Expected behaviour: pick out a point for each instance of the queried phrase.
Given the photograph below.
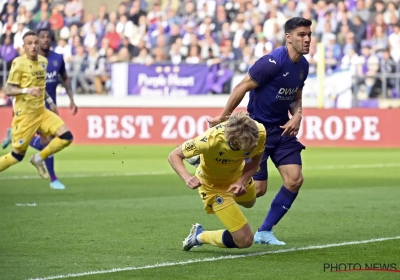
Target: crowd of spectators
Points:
(363, 35)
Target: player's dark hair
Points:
(29, 33)
(44, 29)
(295, 22)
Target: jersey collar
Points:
(231, 147)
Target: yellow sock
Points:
(6, 161)
(212, 237)
(53, 147)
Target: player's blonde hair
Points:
(242, 132)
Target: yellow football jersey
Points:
(27, 73)
(220, 165)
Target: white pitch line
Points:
(352, 166)
(89, 175)
(26, 204)
(228, 257)
(132, 174)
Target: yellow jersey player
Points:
(223, 178)
(27, 83)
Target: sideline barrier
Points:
(320, 127)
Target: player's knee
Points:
(294, 182)
(18, 156)
(67, 137)
(261, 188)
(44, 140)
(245, 242)
(248, 204)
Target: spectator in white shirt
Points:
(18, 42)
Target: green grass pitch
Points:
(124, 208)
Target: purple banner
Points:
(176, 80)
(167, 80)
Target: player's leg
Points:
(49, 162)
(287, 159)
(53, 125)
(237, 234)
(39, 142)
(263, 236)
(249, 199)
(7, 140)
(22, 133)
(11, 158)
(261, 176)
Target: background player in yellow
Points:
(223, 178)
(27, 83)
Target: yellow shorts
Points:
(25, 127)
(224, 205)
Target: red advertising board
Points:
(320, 127)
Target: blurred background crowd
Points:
(361, 35)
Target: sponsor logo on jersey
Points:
(51, 75)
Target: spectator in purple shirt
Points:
(7, 51)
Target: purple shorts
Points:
(282, 150)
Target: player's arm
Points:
(48, 98)
(238, 93)
(260, 73)
(253, 163)
(50, 101)
(13, 90)
(296, 108)
(66, 82)
(13, 87)
(292, 127)
(188, 149)
(175, 159)
(250, 168)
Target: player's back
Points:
(278, 79)
(27, 73)
(221, 165)
(56, 67)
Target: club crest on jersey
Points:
(190, 146)
(219, 200)
(301, 76)
(55, 63)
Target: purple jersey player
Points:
(275, 83)
(55, 71)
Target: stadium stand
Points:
(361, 35)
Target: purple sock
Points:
(50, 168)
(35, 143)
(279, 206)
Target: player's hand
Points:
(239, 189)
(193, 182)
(53, 108)
(216, 120)
(34, 91)
(292, 127)
(73, 107)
